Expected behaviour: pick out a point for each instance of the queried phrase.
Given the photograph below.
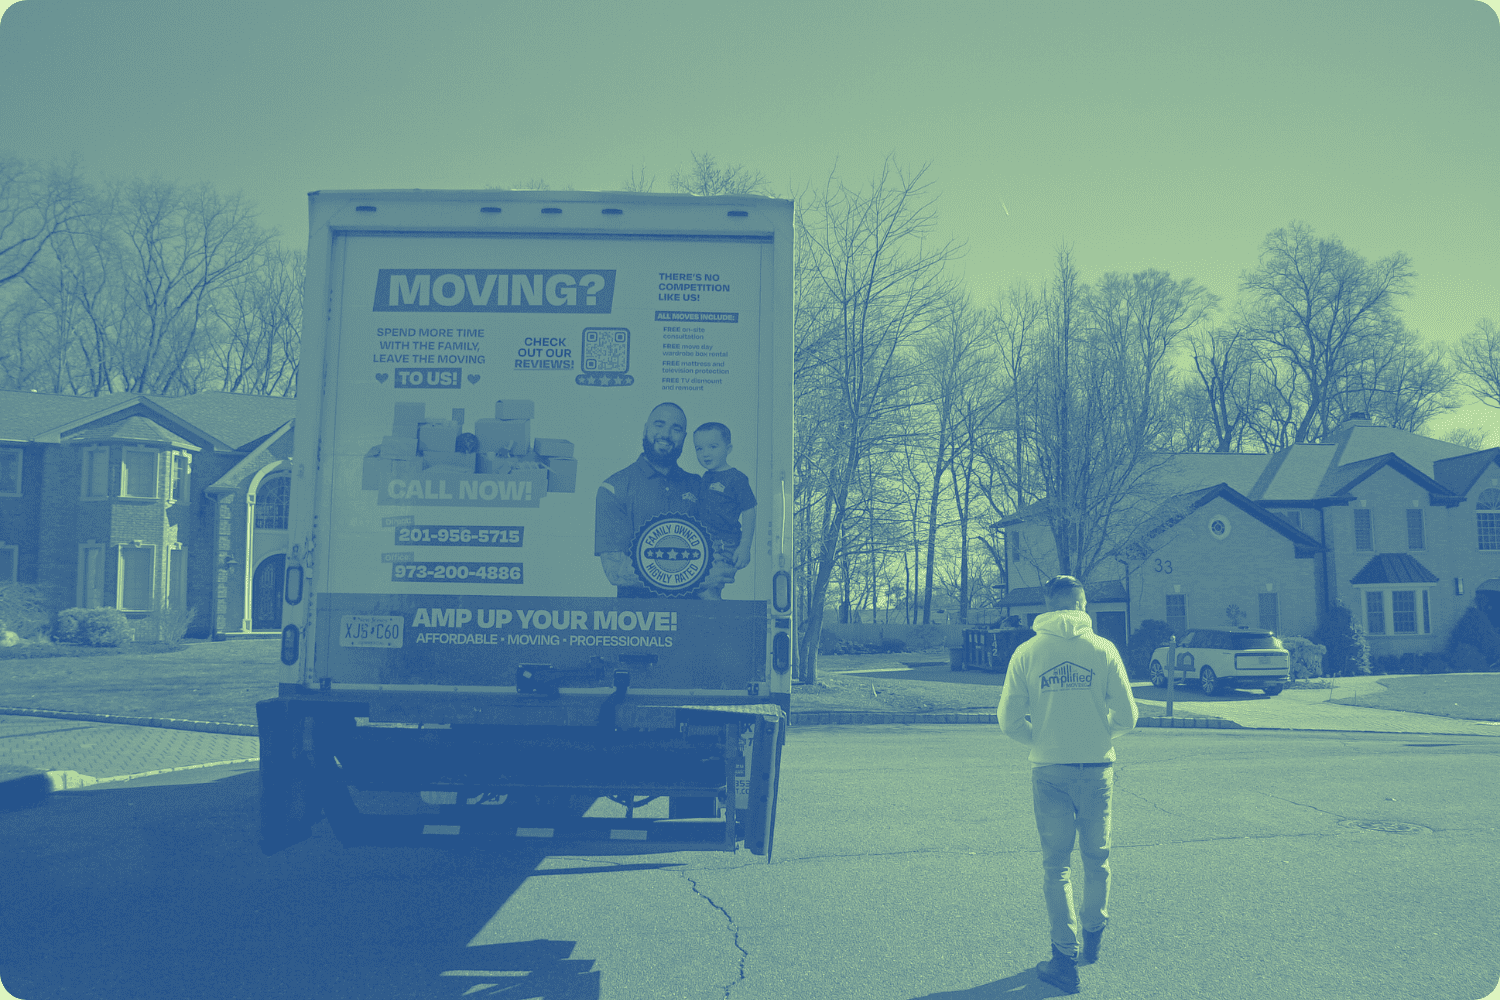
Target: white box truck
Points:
(541, 528)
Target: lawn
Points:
(222, 681)
(206, 681)
(1456, 696)
(910, 682)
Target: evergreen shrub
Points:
(92, 627)
(1151, 633)
(1348, 649)
(1473, 630)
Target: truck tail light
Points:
(781, 653)
(781, 591)
(292, 592)
(290, 640)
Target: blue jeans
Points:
(1073, 801)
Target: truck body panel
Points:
(481, 375)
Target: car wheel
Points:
(1158, 675)
(1272, 689)
(1209, 682)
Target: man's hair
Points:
(673, 406)
(712, 426)
(1059, 586)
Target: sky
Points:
(1172, 134)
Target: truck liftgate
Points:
(539, 545)
(716, 767)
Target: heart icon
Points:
(382, 376)
(473, 379)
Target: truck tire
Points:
(289, 805)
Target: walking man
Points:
(1073, 686)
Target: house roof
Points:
(142, 429)
(1173, 511)
(231, 421)
(1460, 473)
(1356, 441)
(1183, 473)
(1103, 592)
(1394, 567)
(1293, 473)
(1342, 479)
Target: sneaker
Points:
(1090, 953)
(1061, 971)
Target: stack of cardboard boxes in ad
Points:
(501, 446)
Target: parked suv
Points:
(1225, 658)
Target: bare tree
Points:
(1477, 361)
(37, 205)
(260, 327)
(1320, 310)
(708, 178)
(1405, 385)
(1471, 438)
(1228, 367)
(1096, 425)
(638, 180)
(873, 285)
(954, 369)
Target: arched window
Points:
(1488, 520)
(272, 502)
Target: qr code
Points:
(606, 350)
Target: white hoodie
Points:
(1074, 686)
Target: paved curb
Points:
(977, 718)
(223, 728)
(796, 719)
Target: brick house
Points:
(1402, 529)
(136, 502)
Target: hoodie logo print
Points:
(1067, 676)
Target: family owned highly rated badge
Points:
(672, 554)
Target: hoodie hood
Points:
(1063, 624)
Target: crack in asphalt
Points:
(1304, 805)
(1144, 799)
(733, 929)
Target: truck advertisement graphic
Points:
(540, 522)
(516, 416)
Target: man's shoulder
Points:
(624, 476)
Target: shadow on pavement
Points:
(163, 892)
(1021, 986)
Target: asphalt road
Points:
(906, 867)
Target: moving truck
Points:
(540, 565)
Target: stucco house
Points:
(1403, 529)
(135, 501)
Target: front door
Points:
(1111, 625)
(266, 594)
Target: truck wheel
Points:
(289, 805)
(1158, 675)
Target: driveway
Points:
(1311, 709)
(1292, 709)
